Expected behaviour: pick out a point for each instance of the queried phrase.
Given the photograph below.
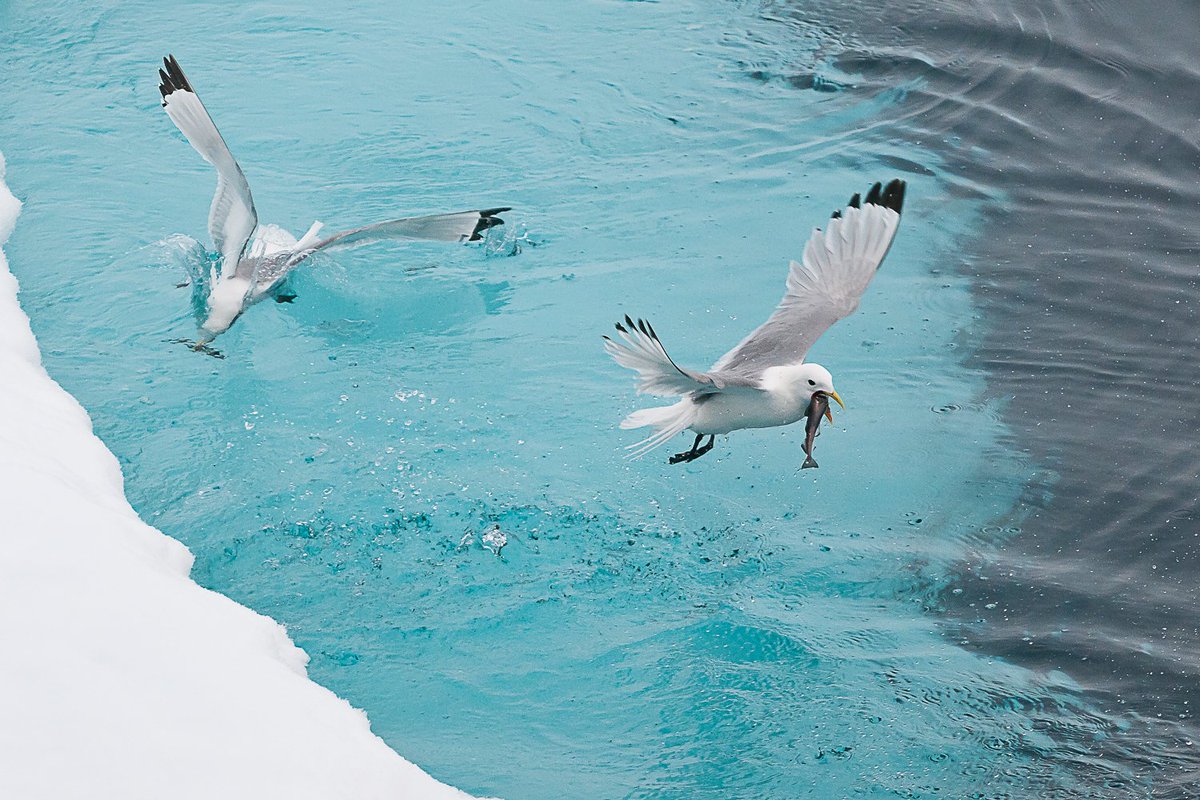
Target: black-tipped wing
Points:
(231, 218)
(826, 285)
(639, 349)
(463, 226)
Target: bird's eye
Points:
(811, 382)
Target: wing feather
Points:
(231, 218)
(825, 286)
(638, 348)
(461, 226)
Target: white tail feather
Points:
(669, 421)
(310, 238)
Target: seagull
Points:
(252, 270)
(764, 381)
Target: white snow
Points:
(119, 676)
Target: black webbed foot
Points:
(695, 452)
(198, 347)
(285, 298)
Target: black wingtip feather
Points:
(836, 215)
(487, 219)
(890, 196)
(637, 325)
(872, 198)
(171, 78)
(893, 195)
(176, 73)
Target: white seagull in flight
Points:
(764, 382)
(250, 271)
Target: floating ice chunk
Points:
(494, 539)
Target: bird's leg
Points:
(202, 347)
(283, 293)
(198, 347)
(689, 455)
(696, 451)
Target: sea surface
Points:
(985, 591)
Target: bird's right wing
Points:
(639, 349)
(462, 226)
(231, 218)
(825, 286)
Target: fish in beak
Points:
(817, 407)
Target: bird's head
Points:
(225, 304)
(813, 379)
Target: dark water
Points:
(1080, 122)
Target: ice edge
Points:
(143, 682)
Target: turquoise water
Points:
(732, 628)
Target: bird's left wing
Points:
(826, 285)
(231, 218)
(462, 226)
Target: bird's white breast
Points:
(725, 412)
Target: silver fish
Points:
(817, 408)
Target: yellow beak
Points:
(835, 396)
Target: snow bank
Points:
(119, 677)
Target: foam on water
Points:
(734, 626)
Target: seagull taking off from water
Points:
(252, 270)
(764, 382)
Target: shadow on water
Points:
(1078, 124)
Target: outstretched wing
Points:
(639, 349)
(462, 226)
(231, 218)
(826, 285)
